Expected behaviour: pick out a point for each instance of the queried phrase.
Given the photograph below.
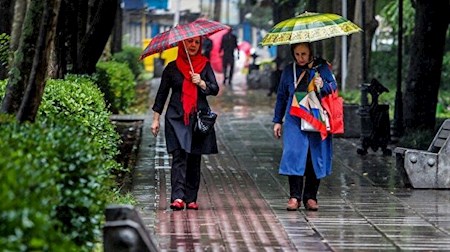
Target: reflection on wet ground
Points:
(364, 205)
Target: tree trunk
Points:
(337, 50)
(20, 8)
(23, 59)
(6, 14)
(326, 48)
(282, 11)
(117, 32)
(359, 68)
(423, 80)
(61, 55)
(36, 82)
(96, 37)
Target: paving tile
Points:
(364, 205)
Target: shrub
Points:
(37, 163)
(3, 84)
(116, 81)
(130, 55)
(78, 99)
(445, 76)
(68, 154)
(4, 49)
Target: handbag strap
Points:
(296, 82)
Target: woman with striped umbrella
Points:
(307, 154)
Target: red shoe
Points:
(311, 205)
(292, 204)
(192, 205)
(177, 204)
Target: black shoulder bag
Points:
(205, 121)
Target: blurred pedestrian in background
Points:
(227, 47)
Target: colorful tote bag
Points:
(308, 108)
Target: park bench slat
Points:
(424, 168)
(440, 138)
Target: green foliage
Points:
(116, 81)
(69, 152)
(390, 14)
(383, 67)
(4, 49)
(442, 110)
(77, 99)
(3, 84)
(445, 76)
(130, 55)
(38, 163)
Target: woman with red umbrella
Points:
(190, 79)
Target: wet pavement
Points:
(364, 205)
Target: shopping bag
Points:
(306, 126)
(334, 105)
(307, 107)
(313, 117)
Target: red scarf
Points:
(189, 89)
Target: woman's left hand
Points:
(318, 81)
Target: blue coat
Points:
(295, 141)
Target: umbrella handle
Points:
(189, 58)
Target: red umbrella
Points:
(170, 38)
(216, 59)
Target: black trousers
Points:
(308, 184)
(185, 176)
(228, 69)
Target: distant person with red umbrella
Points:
(189, 79)
(227, 47)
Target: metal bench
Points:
(430, 168)
(124, 231)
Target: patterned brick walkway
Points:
(363, 204)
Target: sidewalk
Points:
(363, 204)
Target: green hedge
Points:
(116, 81)
(78, 99)
(55, 176)
(130, 55)
(53, 194)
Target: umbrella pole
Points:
(189, 58)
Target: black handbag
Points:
(205, 121)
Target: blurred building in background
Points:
(143, 19)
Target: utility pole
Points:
(176, 18)
(344, 49)
(398, 110)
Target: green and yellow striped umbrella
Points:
(309, 27)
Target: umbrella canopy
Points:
(309, 27)
(170, 38)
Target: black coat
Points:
(178, 135)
